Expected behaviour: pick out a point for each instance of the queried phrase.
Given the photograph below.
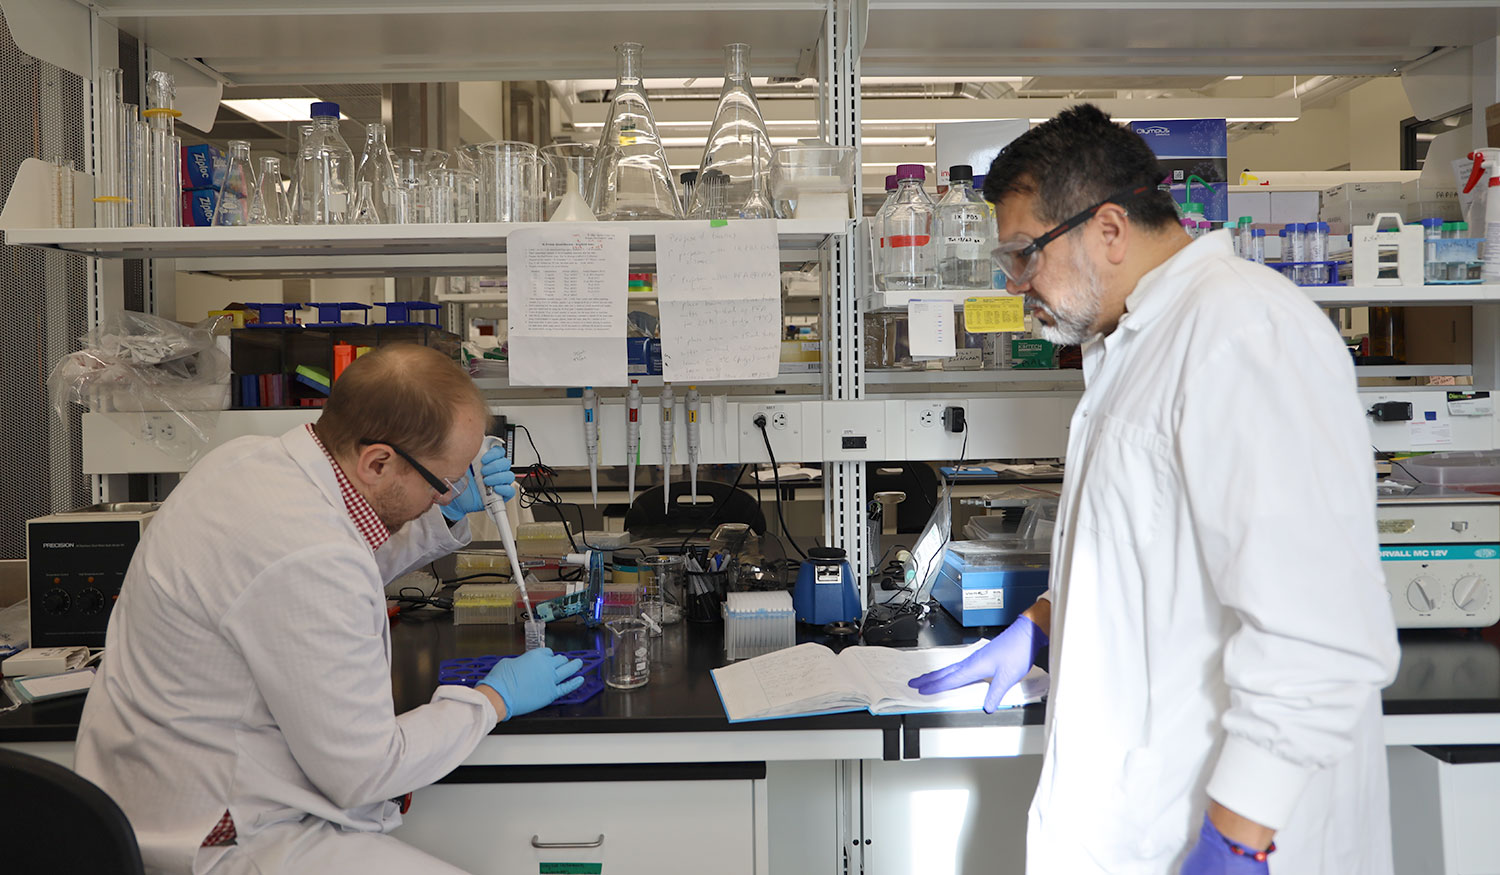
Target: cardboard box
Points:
(1439, 335)
(1357, 203)
(198, 207)
(801, 356)
(202, 167)
(1294, 206)
(1032, 354)
(1255, 204)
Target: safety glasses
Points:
(1021, 260)
(446, 489)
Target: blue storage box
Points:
(989, 583)
(643, 356)
(198, 207)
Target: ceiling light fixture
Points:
(275, 109)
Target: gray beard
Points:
(1073, 318)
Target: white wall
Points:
(1360, 130)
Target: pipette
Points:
(632, 433)
(668, 435)
(494, 504)
(591, 438)
(693, 426)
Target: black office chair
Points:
(917, 479)
(60, 822)
(647, 518)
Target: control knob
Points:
(90, 601)
(56, 601)
(1471, 593)
(1421, 595)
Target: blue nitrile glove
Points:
(533, 680)
(1002, 662)
(495, 469)
(1215, 855)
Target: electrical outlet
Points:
(783, 428)
(929, 417)
(158, 429)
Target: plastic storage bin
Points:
(1476, 471)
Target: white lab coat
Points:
(248, 667)
(1220, 623)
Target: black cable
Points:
(760, 423)
(1391, 457)
(539, 488)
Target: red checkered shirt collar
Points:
(369, 525)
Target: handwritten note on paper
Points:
(567, 306)
(931, 326)
(719, 293)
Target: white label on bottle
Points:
(984, 599)
(970, 217)
(338, 202)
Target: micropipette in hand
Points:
(632, 433)
(494, 504)
(693, 426)
(668, 436)
(591, 438)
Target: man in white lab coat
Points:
(243, 717)
(1218, 625)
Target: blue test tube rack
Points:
(469, 672)
(1329, 270)
(402, 312)
(273, 315)
(331, 315)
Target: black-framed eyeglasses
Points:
(1020, 260)
(447, 490)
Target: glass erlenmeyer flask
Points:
(292, 197)
(269, 204)
(365, 211)
(376, 168)
(756, 206)
(738, 146)
(233, 207)
(631, 179)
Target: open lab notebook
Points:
(811, 679)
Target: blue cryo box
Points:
(989, 583)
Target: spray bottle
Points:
(1487, 161)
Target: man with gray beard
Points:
(1218, 624)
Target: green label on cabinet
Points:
(571, 868)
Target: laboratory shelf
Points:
(1068, 376)
(251, 42)
(277, 251)
(1363, 371)
(1414, 295)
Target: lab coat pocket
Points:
(1161, 803)
(1122, 487)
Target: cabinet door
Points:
(659, 827)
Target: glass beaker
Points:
(557, 160)
(627, 663)
(662, 584)
(269, 206)
(509, 178)
(631, 179)
(235, 193)
(737, 146)
(409, 201)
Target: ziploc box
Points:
(643, 356)
(198, 207)
(202, 167)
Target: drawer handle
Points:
(593, 844)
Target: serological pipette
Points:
(591, 438)
(632, 433)
(494, 504)
(693, 443)
(668, 436)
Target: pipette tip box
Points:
(478, 603)
(757, 623)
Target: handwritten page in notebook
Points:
(567, 294)
(718, 288)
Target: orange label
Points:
(899, 241)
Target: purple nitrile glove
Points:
(1002, 662)
(1215, 855)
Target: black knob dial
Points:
(91, 601)
(56, 601)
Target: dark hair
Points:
(1077, 160)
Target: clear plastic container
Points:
(966, 234)
(325, 171)
(909, 259)
(1475, 471)
(737, 144)
(1432, 231)
(238, 189)
(631, 179)
(757, 623)
(814, 181)
(1258, 245)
